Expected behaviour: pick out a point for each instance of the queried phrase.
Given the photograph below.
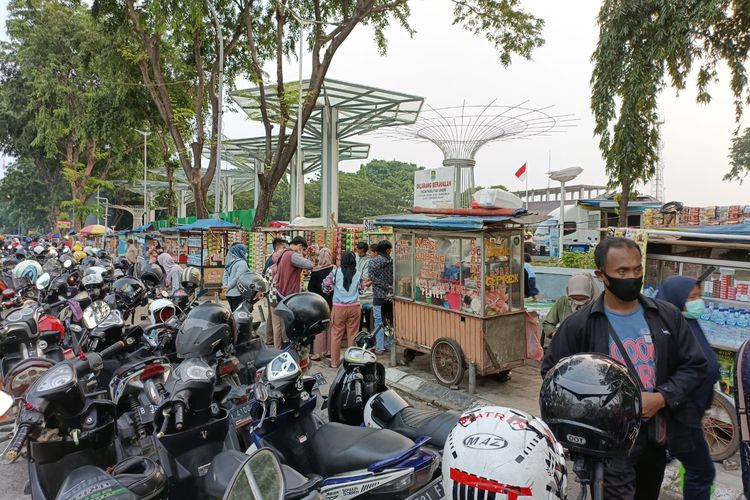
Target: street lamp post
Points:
(220, 112)
(563, 176)
(299, 192)
(145, 134)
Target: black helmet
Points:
(304, 314)
(250, 285)
(123, 263)
(101, 254)
(58, 287)
(190, 277)
(206, 329)
(592, 405)
(180, 298)
(88, 261)
(129, 291)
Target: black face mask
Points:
(626, 289)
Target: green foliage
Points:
(25, 199)
(578, 260)
(739, 158)
(643, 42)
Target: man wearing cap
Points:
(581, 290)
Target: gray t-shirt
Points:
(636, 339)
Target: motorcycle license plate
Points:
(147, 413)
(240, 415)
(320, 380)
(433, 491)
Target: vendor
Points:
(581, 290)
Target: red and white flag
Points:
(521, 172)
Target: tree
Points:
(63, 91)
(273, 31)
(25, 199)
(739, 157)
(640, 44)
(176, 50)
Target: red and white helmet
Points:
(161, 310)
(503, 453)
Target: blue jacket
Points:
(675, 290)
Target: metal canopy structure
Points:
(342, 110)
(461, 131)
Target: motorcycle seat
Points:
(343, 448)
(414, 422)
(131, 479)
(296, 485)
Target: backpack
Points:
(270, 275)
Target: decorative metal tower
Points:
(657, 185)
(461, 131)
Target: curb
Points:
(430, 392)
(451, 399)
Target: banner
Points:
(434, 188)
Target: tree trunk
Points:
(624, 200)
(76, 191)
(264, 204)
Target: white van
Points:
(581, 232)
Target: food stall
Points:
(721, 255)
(206, 242)
(458, 291)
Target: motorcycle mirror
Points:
(261, 392)
(67, 264)
(259, 478)
(43, 281)
(6, 402)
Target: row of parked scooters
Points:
(188, 403)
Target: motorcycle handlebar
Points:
(112, 350)
(179, 415)
(48, 307)
(18, 441)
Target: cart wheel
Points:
(409, 355)
(721, 429)
(447, 361)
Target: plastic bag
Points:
(496, 198)
(533, 343)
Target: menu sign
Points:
(434, 188)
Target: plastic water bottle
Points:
(742, 320)
(721, 316)
(731, 317)
(706, 316)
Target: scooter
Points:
(358, 396)
(354, 461)
(64, 425)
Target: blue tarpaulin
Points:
(202, 225)
(725, 229)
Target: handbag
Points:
(656, 426)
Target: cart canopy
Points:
(458, 222)
(202, 225)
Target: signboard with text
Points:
(434, 187)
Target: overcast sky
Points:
(448, 66)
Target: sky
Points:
(449, 66)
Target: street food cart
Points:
(721, 254)
(206, 242)
(458, 291)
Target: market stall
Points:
(206, 242)
(721, 255)
(458, 291)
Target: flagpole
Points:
(527, 186)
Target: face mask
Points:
(694, 309)
(626, 289)
(577, 304)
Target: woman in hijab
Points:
(321, 346)
(685, 294)
(235, 266)
(581, 290)
(172, 271)
(346, 284)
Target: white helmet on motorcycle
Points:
(52, 253)
(39, 250)
(161, 310)
(94, 275)
(26, 272)
(501, 450)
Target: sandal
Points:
(327, 355)
(315, 357)
(331, 365)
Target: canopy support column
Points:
(329, 168)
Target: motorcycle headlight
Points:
(282, 367)
(58, 378)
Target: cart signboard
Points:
(434, 187)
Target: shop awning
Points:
(456, 222)
(633, 206)
(202, 225)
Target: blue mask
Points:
(694, 309)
